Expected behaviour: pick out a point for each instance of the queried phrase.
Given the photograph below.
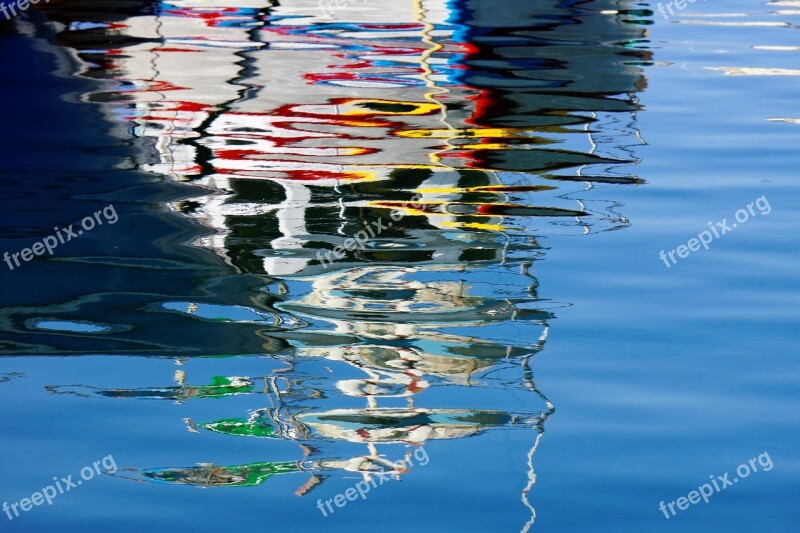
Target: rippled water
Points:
(345, 232)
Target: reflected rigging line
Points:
(427, 73)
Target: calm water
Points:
(331, 236)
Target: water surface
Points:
(354, 234)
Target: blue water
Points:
(514, 334)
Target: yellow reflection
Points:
(388, 107)
(474, 225)
(507, 133)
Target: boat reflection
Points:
(390, 175)
(208, 475)
(221, 386)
